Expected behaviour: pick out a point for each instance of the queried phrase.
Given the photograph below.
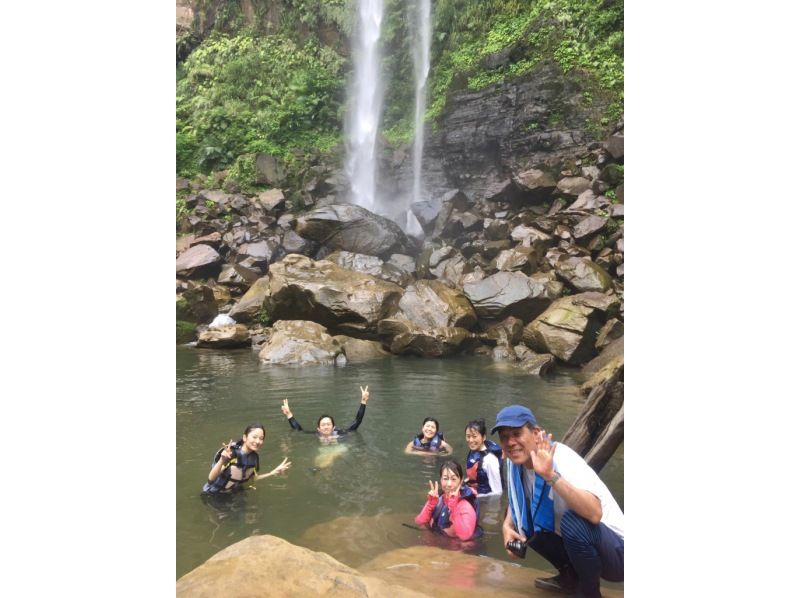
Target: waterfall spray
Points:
(365, 105)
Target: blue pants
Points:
(589, 551)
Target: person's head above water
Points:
(429, 429)
(475, 434)
(253, 437)
(451, 476)
(325, 425)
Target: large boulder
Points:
(431, 304)
(353, 228)
(512, 294)
(299, 342)
(196, 304)
(582, 274)
(252, 302)
(269, 566)
(372, 265)
(224, 337)
(409, 339)
(356, 349)
(568, 327)
(303, 289)
(197, 261)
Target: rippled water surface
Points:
(350, 500)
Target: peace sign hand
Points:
(285, 464)
(364, 394)
(542, 454)
(285, 409)
(434, 492)
(227, 451)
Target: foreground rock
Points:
(299, 342)
(224, 337)
(269, 566)
(353, 228)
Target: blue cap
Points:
(513, 416)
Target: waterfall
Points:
(421, 67)
(365, 105)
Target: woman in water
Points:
(429, 440)
(484, 461)
(326, 428)
(237, 462)
(455, 512)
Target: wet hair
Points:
(425, 421)
(453, 466)
(252, 427)
(321, 417)
(477, 424)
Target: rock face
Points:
(372, 265)
(321, 291)
(511, 294)
(224, 337)
(567, 328)
(430, 304)
(353, 228)
(269, 566)
(299, 342)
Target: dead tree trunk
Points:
(599, 428)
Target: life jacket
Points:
(433, 446)
(239, 470)
(478, 479)
(440, 519)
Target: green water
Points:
(354, 507)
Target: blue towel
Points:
(533, 516)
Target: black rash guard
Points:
(336, 431)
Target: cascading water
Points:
(421, 67)
(365, 105)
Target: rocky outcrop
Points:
(357, 350)
(321, 291)
(405, 338)
(299, 342)
(567, 328)
(431, 304)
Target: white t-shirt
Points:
(575, 470)
(491, 466)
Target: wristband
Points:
(554, 479)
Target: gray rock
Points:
(509, 293)
(358, 350)
(225, 337)
(272, 199)
(269, 170)
(353, 228)
(583, 274)
(432, 304)
(195, 258)
(299, 342)
(252, 302)
(588, 226)
(573, 185)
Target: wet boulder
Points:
(294, 243)
(568, 327)
(321, 291)
(507, 332)
(588, 226)
(299, 342)
(573, 185)
(196, 304)
(353, 228)
(537, 364)
(535, 185)
(511, 294)
(431, 304)
(519, 258)
(426, 212)
(228, 336)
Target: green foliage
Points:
(184, 331)
(181, 209)
(246, 94)
(263, 317)
(612, 195)
(243, 173)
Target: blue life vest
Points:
(478, 479)
(239, 470)
(434, 446)
(440, 519)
